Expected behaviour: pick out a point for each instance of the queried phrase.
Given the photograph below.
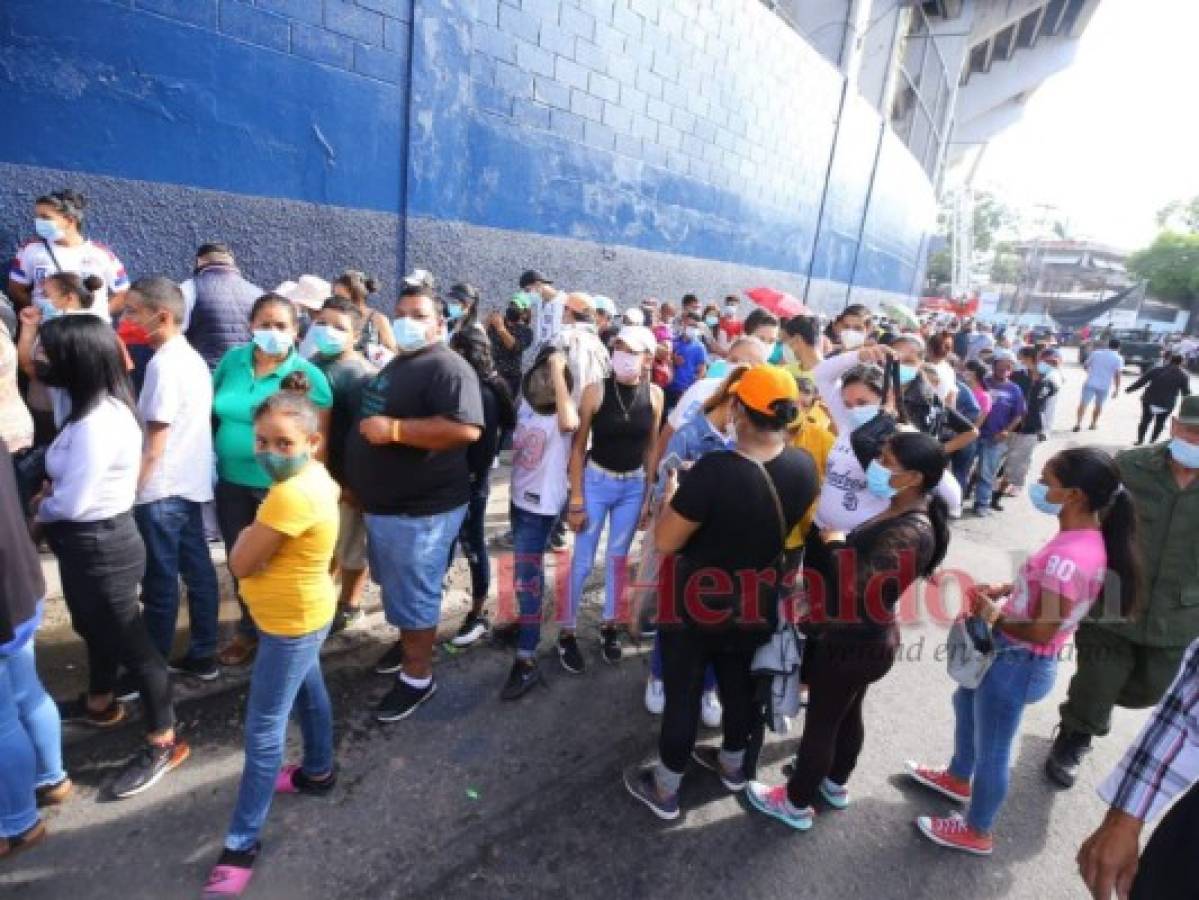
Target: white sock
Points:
(419, 683)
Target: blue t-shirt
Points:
(689, 356)
(1007, 405)
(966, 405)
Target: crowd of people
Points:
(781, 471)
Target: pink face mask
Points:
(626, 366)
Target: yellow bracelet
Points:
(396, 431)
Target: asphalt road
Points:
(477, 798)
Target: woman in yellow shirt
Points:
(282, 563)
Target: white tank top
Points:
(540, 454)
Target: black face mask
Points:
(44, 372)
(512, 316)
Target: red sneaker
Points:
(940, 781)
(952, 831)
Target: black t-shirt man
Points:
(1036, 396)
(738, 522)
(396, 479)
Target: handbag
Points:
(970, 650)
(867, 440)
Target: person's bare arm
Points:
(568, 415)
(254, 548)
(672, 532)
(323, 417)
(432, 433)
(386, 336)
(20, 294)
(496, 321)
(31, 319)
(960, 440)
(576, 514)
(155, 445)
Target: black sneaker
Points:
(995, 504)
(506, 635)
(570, 656)
(402, 701)
(391, 661)
(523, 676)
(559, 542)
(148, 766)
(610, 648)
(77, 711)
(128, 688)
(204, 668)
(473, 628)
(709, 758)
(344, 618)
(1065, 756)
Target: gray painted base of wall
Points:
(493, 259)
(155, 229)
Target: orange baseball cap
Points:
(764, 385)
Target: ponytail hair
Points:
(292, 400)
(1096, 474)
(359, 284)
(83, 289)
(725, 390)
(924, 454)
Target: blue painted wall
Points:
(698, 129)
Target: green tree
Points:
(1180, 215)
(991, 215)
(939, 269)
(1006, 267)
(1170, 265)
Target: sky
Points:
(1114, 137)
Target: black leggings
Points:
(686, 653)
(838, 672)
(236, 510)
(101, 565)
(1159, 423)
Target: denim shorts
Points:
(408, 557)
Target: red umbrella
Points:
(782, 305)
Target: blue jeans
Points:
(286, 679)
(408, 561)
(987, 721)
(990, 457)
(530, 539)
(30, 741)
(473, 540)
(173, 531)
(605, 496)
(962, 462)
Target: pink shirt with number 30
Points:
(1072, 566)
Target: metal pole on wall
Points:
(857, 247)
(828, 175)
(405, 148)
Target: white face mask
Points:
(626, 366)
(851, 338)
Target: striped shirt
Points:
(1164, 760)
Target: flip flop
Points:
(227, 881)
(285, 781)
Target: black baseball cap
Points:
(532, 277)
(467, 293)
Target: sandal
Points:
(231, 875)
(238, 652)
(54, 794)
(23, 841)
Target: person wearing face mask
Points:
(461, 300)
(765, 327)
(852, 633)
(282, 560)
(375, 334)
(711, 324)
(1031, 622)
(689, 358)
(61, 248)
(335, 334)
(175, 480)
(510, 337)
(62, 294)
(1037, 390)
(548, 306)
(801, 340)
(1050, 367)
(84, 512)
(1130, 663)
(245, 377)
(848, 330)
(1165, 384)
(611, 453)
(406, 462)
(1008, 407)
(723, 525)
(730, 327)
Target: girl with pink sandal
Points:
(282, 564)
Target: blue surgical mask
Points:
(1184, 453)
(860, 415)
(47, 230)
(878, 480)
(272, 341)
(907, 374)
(718, 369)
(410, 335)
(280, 467)
(454, 310)
(711, 321)
(1038, 493)
(47, 309)
(1045, 369)
(328, 341)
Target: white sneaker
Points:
(655, 696)
(710, 710)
